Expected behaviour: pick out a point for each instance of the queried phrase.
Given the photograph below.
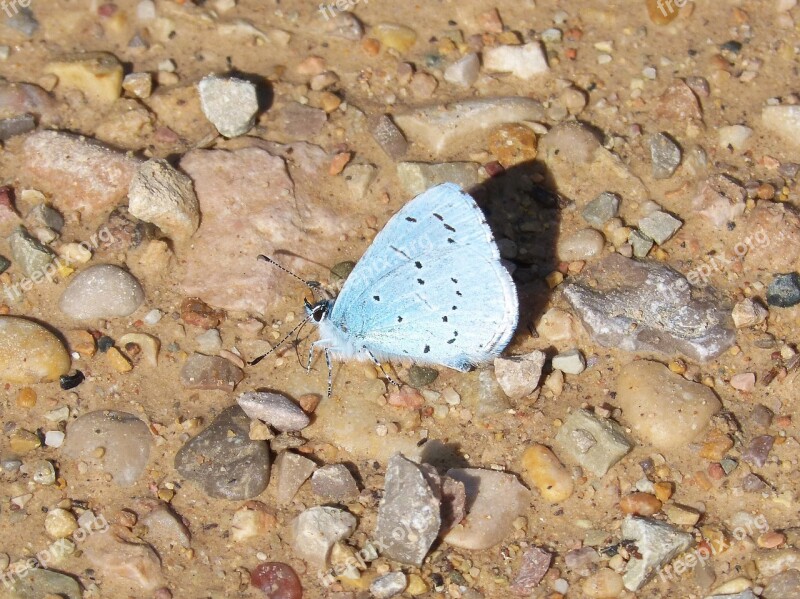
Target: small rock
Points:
(601, 209)
(291, 471)
(389, 585)
(681, 515)
(758, 450)
(734, 136)
(772, 225)
(650, 394)
(494, 501)
(409, 516)
(299, 121)
(274, 409)
(541, 468)
(316, 530)
(29, 353)
(161, 195)
(30, 255)
(603, 584)
(640, 243)
(569, 362)
(519, 375)
(777, 561)
(38, 582)
(397, 37)
(334, 483)
(24, 21)
(358, 178)
(640, 504)
(580, 560)
(720, 199)
(535, 564)
(60, 523)
(196, 312)
(16, 125)
(389, 137)
(101, 291)
(421, 376)
(678, 104)
(165, 529)
(464, 72)
(209, 342)
(139, 85)
(665, 156)
(229, 103)
(346, 26)
(784, 290)
(596, 444)
(416, 177)
(659, 226)
(210, 372)
(656, 544)
(748, 313)
(583, 245)
(744, 381)
(23, 441)
(525, 61)
(223, 461)
(98, 75)
(556, 325)
(782, 120)
(114, 556)
(785, 585)
(114, 442)
(513, 144)
(252, 520)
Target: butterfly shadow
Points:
(523, 206)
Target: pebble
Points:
(556, 325)
(334, 483)
(785, 585)
(782, 224)
(657, 543)
(345, 25)
(464, 72)
(223, 461)
(777, 561)
(519, 376)
(582, 245)
(416, 177)
(23, 20)
(409, 516)
(784, 290)
(38, 582)
(744, 381)
(316, 530)
(542, 469)
(735, 137)
(678, 104)
(229, 103)
(647, 306)
(210, 372)
(291, 471)
(139, 85)
(54, 439)
(720, 200)
(748, 313)
(359, 177)
(23, 441)
(299, 121)
(165, 529)
(30, 353)
(97, 75)
(594, 443)
(5, 263)
(396, 37)
(196, 312)
(758, 450)
(277, 580)
(581, 560)
(161, 195)
(650, 394)
(60, 523)
(752, 483)
(525, 61)
(640, 243)
(43, 215)
(389, 585)
(681, 515)
(31, 256)
(659, 226)
(389, 137)
(535, 564)
(252, 520)
(603, 584)
(569, 362)
(101, 291)
(640, 504)
(494, 501)
(601, 209)
(276, 410)
(114, 557)
(421, 376)
(42, 472)
(783, 120)
(512, 144)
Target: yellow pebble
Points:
(416, 586)
(118, 362)
(554, 279)
(26, 398)
(677, 366)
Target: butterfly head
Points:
(319, 310)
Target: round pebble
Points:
(585, 244)
(603, 584)
(541, 468)
(29, 353)
(277, 580)
(642, 504)
(101, 291)
(60, 523)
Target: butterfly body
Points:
(430, 288)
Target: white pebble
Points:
(152, 317)
(53, 438)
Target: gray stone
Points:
(165, 529)
(388, 136)
(784, 290)
(596, 444)
(210, 372)
(161, 195)
(345, 25)
(569, 362)
(443, 127)
(39, 583)
(659, 226)
(519, 375)
(657, 543)
(334, 483)
(746, 594)
(31, 256)
(23, 21)
(358, 178)
(421, 376)
(16, 125)
(290, 472)
(43, 215)
(785, 585)
(229, 103)
(758, 450)
(124, 439)
(301, 122)
(316, 530)
(416, 177)
(640, 243)
(101, 291)
(647, 306)
(665, 156)
(4, 264)
(464, 72)
(223, 461)
(601, 209)
(389, 585)
(276, 410)
(409, 514)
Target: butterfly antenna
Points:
(310, 284)
(281, 342)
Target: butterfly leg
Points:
(311, 354)
(383, 370)
(330, 370)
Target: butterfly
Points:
(430, 288)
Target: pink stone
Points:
(744, 381)
(535, 563)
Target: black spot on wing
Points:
(399, 319)
(418, 264)
(444, 318)
(449, 228)
(439, 216)
(426, 349)
(451, 341)
(377, 298)
(450, 240)
(411, 219)
(454, 280)
(458, 293)
(420, 281)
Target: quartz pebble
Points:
(744, 381)
(569, 362)
(101, 291)
(316, 530)
(603, 584)
(464, 72)
(276, 410)
(783, 120)
(114, 556)
(229, 103)
(525, 61)
(735, 137)
(60, 523)
(720, 199)
(582, 245)
(388, 585)
(252, 520)
(541, 468)
(657, 543)
(29, 353)
(596, 444)
(334, 483)
(748, 313)
(416, 177)
(519, 375)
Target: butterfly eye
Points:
(318, 313)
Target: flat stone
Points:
(161, 195)
(746, 594)
(276, 410)
(784, 121)
(758, 450)
(494, 500)
(124, 439)
(519, 375)
(358, 178)
(30, 353)
(389, 585)
(165, 529)
(640, 243)
(416, 177)
(665, 156)
(734, 136)
(210, 372)
(647, 306)
(720, 199)
(334, 483)
(229, 103)
(96, 75)
(409, 516)
(443, 128)
(601, 209)
(657, 543)
(389, 137)
(117, 553)
(784, 290)
(463, 72)
(316, 530)
(785, 585)
(300, 122)
(31, 256)
(569, 362)
(223, 461)
(24, 21)
(16, 125)
(78, 173)
(659, 226)
(525, 61)
(594, 443)
(535, 564)
(290, 472)
(678, 104)
(38, 583)
(776, 561)
(101, 291)
(650, 394)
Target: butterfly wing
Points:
(431, 286)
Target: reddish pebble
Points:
(277, 580)
(407, 397)
(494, 168)
(571, 53)
(106, 10)
(715, 471)
(196, 312)
(641, 504)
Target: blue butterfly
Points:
(430, 288)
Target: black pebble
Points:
(70, 381)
